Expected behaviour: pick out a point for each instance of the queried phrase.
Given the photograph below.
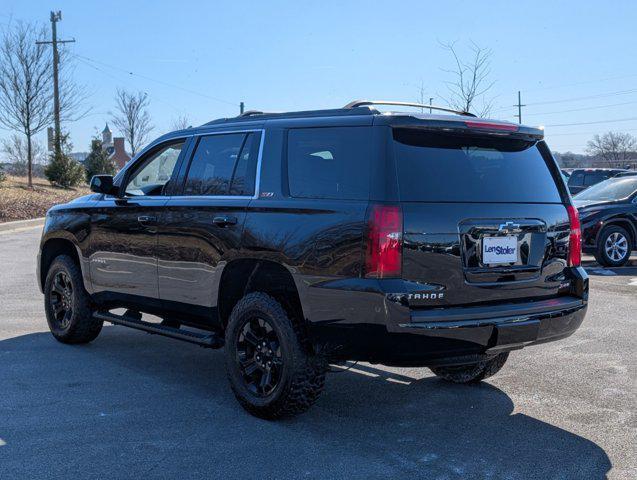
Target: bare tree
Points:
(132, 118)
(15, 150)
(25, 85)
(615, 148)
(180, 123)
(470, 81)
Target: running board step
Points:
(208, 339)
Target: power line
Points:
(575, 99)
(104, 72)
(586, 133)
(583, 109)
(145, 77)
(592, 123)
(587, 82)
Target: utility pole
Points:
(519, 105)
(241, 108)
(431, 100)
(56, 17)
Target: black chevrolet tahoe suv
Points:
(299, 240)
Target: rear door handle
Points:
(224, 221)
(147, 220)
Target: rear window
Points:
(329, 162)
(436, 167)
(593, 178)
(576, 180)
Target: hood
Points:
(85, 198)
(579, 204)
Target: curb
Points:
(21, 224)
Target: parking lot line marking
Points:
(395, 380)
(601, 271)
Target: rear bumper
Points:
(362, 320)
(503, 328)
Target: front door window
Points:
(155, 172)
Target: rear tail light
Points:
(575, 238)
(384, 256)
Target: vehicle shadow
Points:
(130, 404)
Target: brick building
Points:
(115, 147)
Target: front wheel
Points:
(474, 372)
(67, 304)
(270, 371)
(613, 248)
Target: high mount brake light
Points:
(504, 127)
(384, 256)
(574, 238)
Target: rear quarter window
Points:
(438, 167)
(330, 163)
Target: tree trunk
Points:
(29, 161)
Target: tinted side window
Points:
(329, 162)
(223, 165)
(244, 176)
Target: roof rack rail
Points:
(250, 113)
(363, 103)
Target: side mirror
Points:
(103, 184)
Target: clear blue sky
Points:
(285, 55)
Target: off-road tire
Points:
(82, 326)
(600, 254)
(303, 373)
(473, 373)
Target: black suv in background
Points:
(306, 238)
(608, 212)
(582, 178)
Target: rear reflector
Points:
(503, 127)
(384, 256)
(575, 238)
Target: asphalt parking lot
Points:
(131, 405)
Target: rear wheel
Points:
(270, 372)
(67, 304)
(474, 372)
(613, 246)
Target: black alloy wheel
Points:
(67, 304)
(61, 300)
(259, 356)
(271, 369)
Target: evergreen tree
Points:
(63, 170)
(98, 161)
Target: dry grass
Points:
(17, 202)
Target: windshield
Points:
(611, 189)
